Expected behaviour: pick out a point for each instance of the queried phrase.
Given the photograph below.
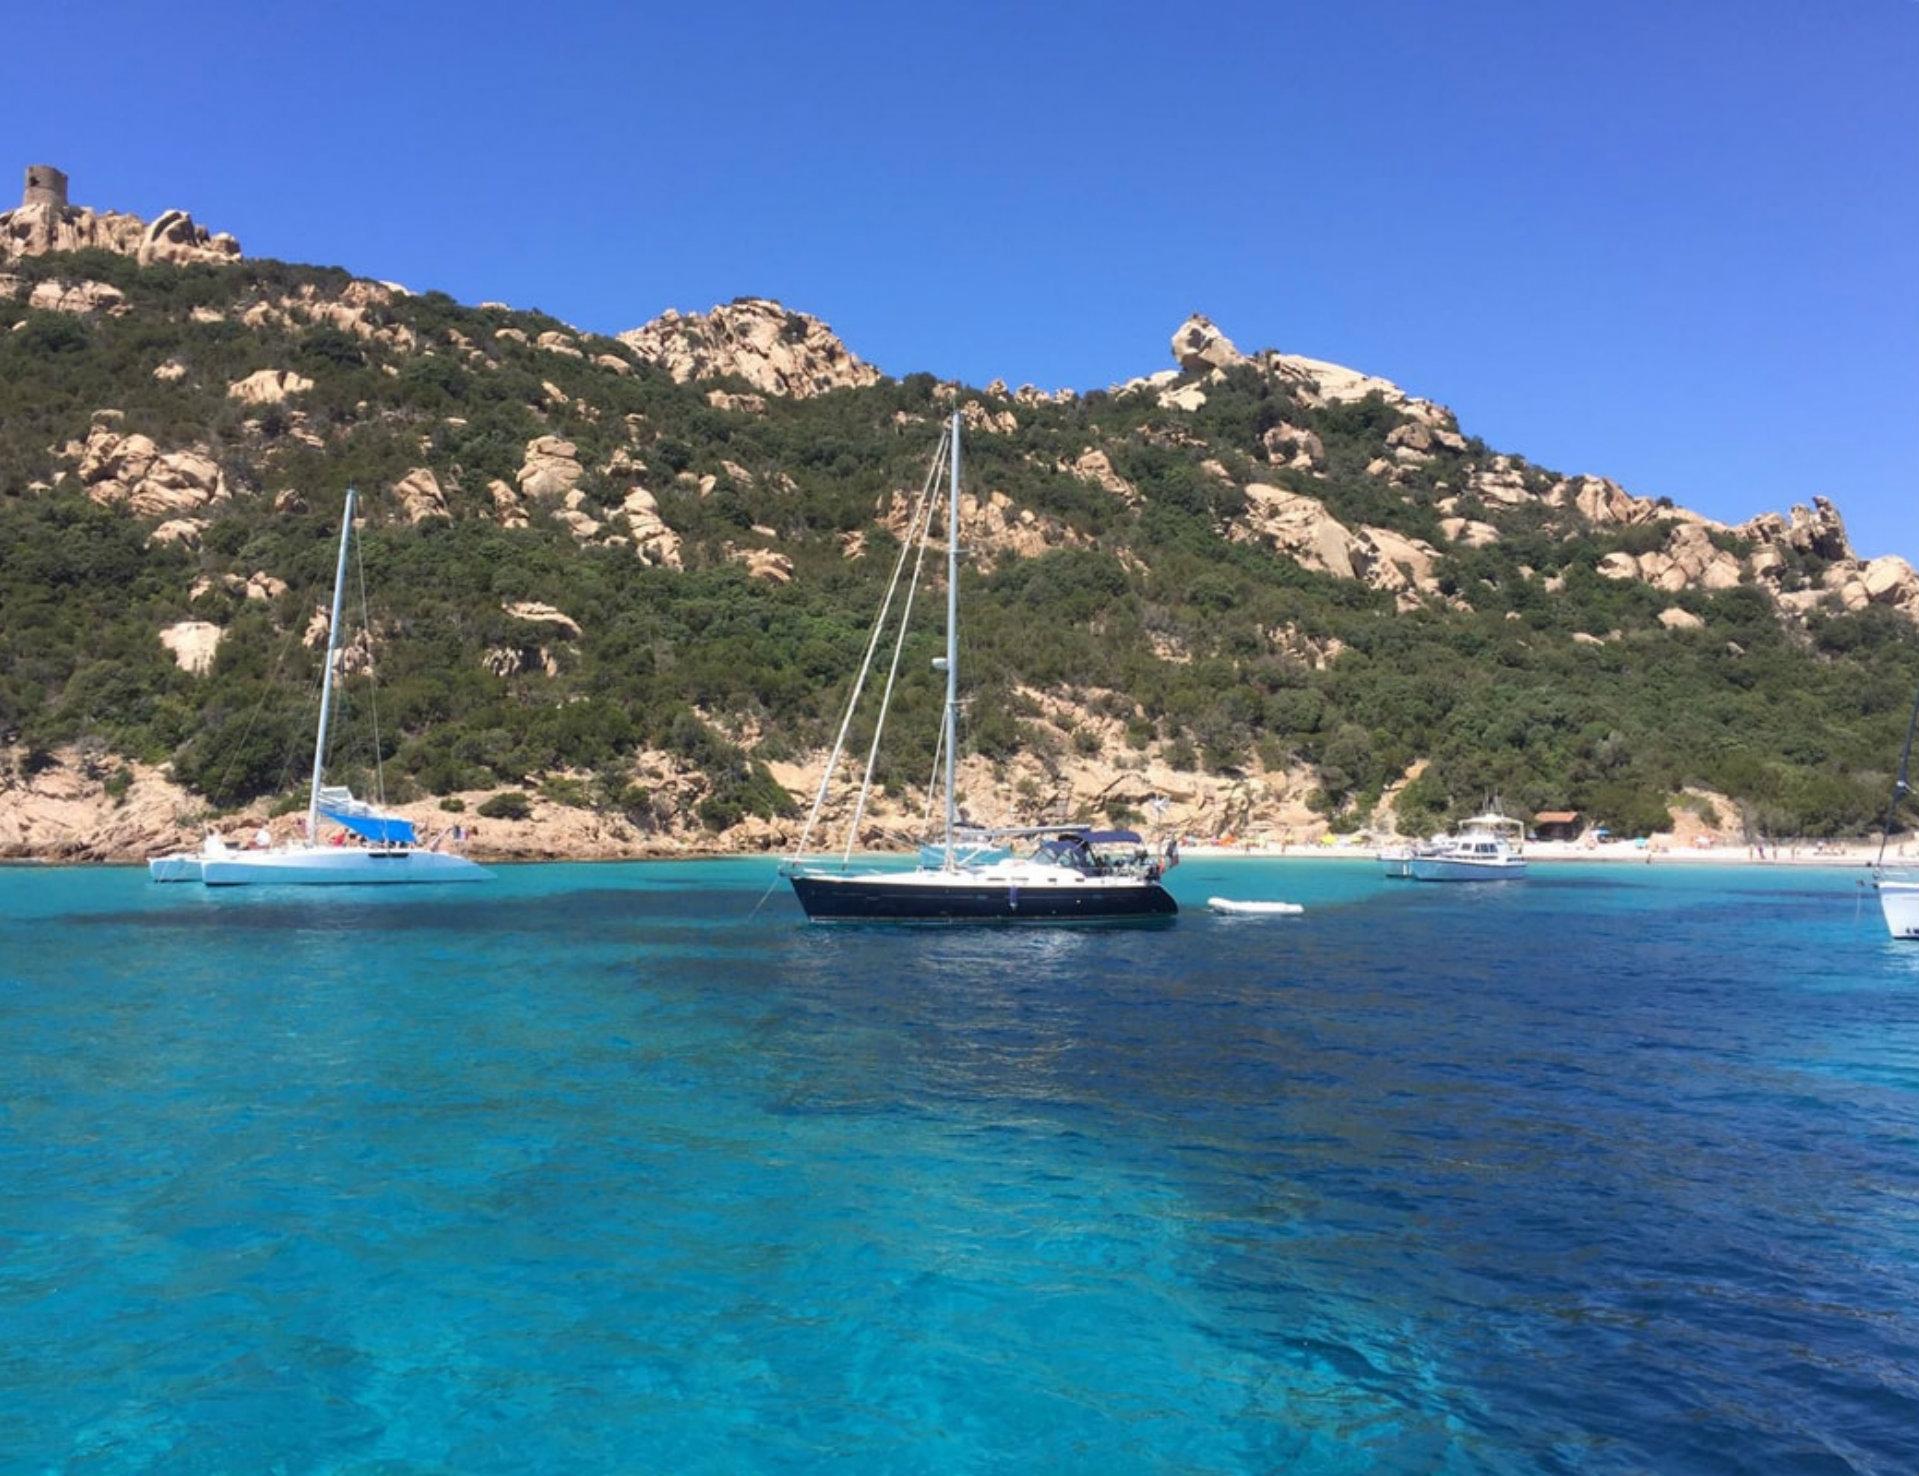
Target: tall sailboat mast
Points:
(326, 677)
(952, 637)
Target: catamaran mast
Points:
(326, 677)
(952, 635)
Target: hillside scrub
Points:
(1209, 637)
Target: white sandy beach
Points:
(1658, 852)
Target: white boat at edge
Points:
(388, 851)
(1898, 886)
(1899, 904)
(185, 866)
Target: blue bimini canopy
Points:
(1110, 837)
(383, 830)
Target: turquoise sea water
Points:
(1616, 1169)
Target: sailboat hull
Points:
(336, 866)
(902, 898)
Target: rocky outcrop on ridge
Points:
(551, 467)
(421, 496)
(118, 469)
(992, 527)
(360, 308)
(193, 644)
(776, 351)
(551, 470)
(654, 542)
(1200, 347)
(1303, 529)
(1690, 560)
(40, 227)
(63, 296)
(1095, 466)
(268, 387)
(1693, 557)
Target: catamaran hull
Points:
(174, 868)
(1452, 869)
(336, 867)
(1899, 901)
(857, 899)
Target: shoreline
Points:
(1861, 859)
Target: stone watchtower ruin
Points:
(45, 186)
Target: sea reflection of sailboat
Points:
(371, 846)
(1068, 877)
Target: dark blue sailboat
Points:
(1067, 877)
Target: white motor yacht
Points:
(1484, 848)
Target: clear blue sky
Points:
(1671, 243)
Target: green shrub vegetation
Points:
(1147, 608)
(508, 804)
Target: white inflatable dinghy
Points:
(1262, 909)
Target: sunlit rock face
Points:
(45, 223)
(777, 352)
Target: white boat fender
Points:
(1265, 909)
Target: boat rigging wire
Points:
(866, 665)
(372, 677)
(916, 517)
(919, 538)
(1901, 786)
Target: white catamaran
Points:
(1072, 875)
(371, 846)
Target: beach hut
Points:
(1557, 825)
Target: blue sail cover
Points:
(385, 830)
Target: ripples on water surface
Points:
(1612, 1170)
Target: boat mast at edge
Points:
(952, 636)
(326, 676)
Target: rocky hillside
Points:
(627, 579)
